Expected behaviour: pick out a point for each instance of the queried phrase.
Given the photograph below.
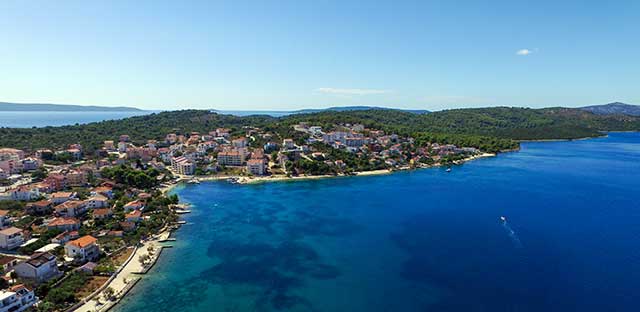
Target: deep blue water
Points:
(43, 119)
(424, 240)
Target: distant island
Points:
(278, 113)
(35, 107)
(614, 108)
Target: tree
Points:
(108, 293)
(39, 174)
(143, 259)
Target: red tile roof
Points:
(83, 241)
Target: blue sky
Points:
(279, 55)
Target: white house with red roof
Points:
(83, 249)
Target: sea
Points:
(23, 119)
(423, 240)
(29, 119)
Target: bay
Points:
(424, 240)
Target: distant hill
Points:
(317, 110)
(357, 108)
(613, 109)
(491, 129)
(28, 107)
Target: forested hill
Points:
(491, 129)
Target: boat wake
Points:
(512, 234)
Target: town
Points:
(71, 218)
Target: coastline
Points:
(605, 134)
(129, 274)
(284, 178)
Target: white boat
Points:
(448, 169)
(503, 219)
(193, 181)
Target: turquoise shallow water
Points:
(424, 240)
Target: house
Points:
(288, 144)
(7, 263)
(183, 165)
(223, 132)
(75, 153)
(18, 298)
(256, 166)
(40, 207)
(231, 158)
(41, 267)
(106, 191)
(83, 249)
(71, 208)
(102, 213)
(108, 146)
(64, 224)
(11, 238)
(56, 181)
(44, 154)
(76, 178)
(96, 201)
(240, 142)
(133, 205)
(144, 196)
(134, 216)
(11, 153)
(29, 164)
(25, 193)
(127, 226)
(115, 233)
(64, 237)
(58, 198)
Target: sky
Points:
(283, 55)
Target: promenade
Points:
(126, 278)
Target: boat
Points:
(503, 218)
(182, 211)
(449, 169)
(193, 181)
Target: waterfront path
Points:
(126, 277)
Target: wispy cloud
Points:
(340, 91)
(524, 52)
